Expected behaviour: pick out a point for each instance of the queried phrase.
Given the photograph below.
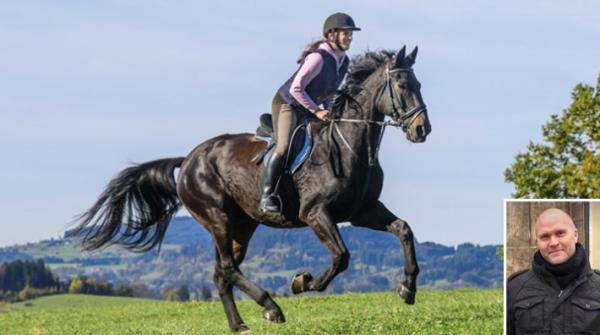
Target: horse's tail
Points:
(135, 208)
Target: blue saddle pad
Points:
(298, 156)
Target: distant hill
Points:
(274, 256)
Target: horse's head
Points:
(400, 97)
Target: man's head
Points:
(556, 236)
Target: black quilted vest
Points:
(324, 85)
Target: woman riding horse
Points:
(323, 67)
(219, 184)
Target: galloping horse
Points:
(219, 184)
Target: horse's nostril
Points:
(420, 131)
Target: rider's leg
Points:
(286, 122)
(286, 119)
(275, 109)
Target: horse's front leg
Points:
(376, 216)
(326, 230)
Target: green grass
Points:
(436, 312)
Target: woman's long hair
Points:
(309, 49)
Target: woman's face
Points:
(341, 39)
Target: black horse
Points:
(219, 184)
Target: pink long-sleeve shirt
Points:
(313, 63)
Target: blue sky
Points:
(86, 88)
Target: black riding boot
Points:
(270, 177)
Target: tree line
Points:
(23, 280)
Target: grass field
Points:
(468, 311)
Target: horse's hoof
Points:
(300, 282)
(242, 329)
(407, 295)
(273, 315)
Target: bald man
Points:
(560, 294)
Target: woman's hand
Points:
(322, 114)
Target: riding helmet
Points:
(338, 21)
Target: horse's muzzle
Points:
(418, 133)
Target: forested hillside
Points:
(187, 258)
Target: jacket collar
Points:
(560, 276)
(325, 46)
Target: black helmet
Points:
(338, 21)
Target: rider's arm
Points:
(308, 71)
(329, 103)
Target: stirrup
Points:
(268, 206)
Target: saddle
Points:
(300, 143)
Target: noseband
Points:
(406, 118)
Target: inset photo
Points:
(552, 253)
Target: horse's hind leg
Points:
(241, 237)
(231, 249)
(222, 273)
(378, 217)
(225, 289)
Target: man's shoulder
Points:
(596, 276)
(515, 284)
(519, 277)
(518, 274)
(591, 288)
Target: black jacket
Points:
(537, 305)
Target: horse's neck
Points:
(360, 129)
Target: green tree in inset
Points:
(567, 163)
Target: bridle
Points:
(403, 120)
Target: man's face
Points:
(556, 236)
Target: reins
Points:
(372, 156)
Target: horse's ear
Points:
(400, 57)
(412, 56)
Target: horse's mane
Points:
(361, 67)
(364, 65)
